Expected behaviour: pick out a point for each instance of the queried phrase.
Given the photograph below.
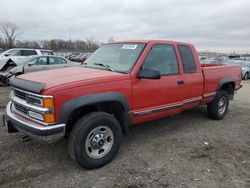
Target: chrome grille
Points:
(20, 94)
(20, 108)
(29, 98)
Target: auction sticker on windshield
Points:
(129, 46)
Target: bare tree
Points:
(110, 40)
(9, 31)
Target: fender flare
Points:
(70, 106)
(224, 81)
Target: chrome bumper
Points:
(46, 134)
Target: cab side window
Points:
(187, 57)
(162, 58)
(28, 52)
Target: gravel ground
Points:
(187, 150)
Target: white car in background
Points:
(19, 55)
(40, 63)
(35, 63)
(245, 67)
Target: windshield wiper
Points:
(105, 66)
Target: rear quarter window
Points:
(187, 57)
(47, 52)
(28, 52)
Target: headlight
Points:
(35, 115)
(45, 102)
(34, 100)
(47, 118)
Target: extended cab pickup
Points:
(121, 84)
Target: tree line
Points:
(9, 40)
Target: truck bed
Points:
(214, 72)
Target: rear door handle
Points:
(180, 82)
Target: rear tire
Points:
(217, 109)
(246, 76)
(95, 140)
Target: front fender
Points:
(70, 106)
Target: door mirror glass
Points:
(149, 74)
(6, 55)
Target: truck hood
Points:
(66, 76)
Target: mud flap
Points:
(10, 127)
(4, 81)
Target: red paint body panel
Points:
(143, 95)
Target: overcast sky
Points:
(215, 24)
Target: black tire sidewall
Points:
(246, 76)
(86, 126)
(213, 107)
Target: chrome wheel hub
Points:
(222, 105)
(99, 142)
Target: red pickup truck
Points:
(121, 84)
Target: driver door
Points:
(161, 97)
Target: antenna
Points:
(69, 34)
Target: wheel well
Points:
(229, 87)
(114, 108)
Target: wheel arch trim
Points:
(224, 81)
(70, 106)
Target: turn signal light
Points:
(48, 102)
(49, 118)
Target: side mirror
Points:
(6, 55)
(30, 64)
(149, 74)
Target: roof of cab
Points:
(147, 41)
(30, 49)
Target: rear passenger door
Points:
(192, 77)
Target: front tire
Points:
(95, 140)
(217, 109)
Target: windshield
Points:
(119, 57)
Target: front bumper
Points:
(47, 134)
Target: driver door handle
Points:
(180, 82)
